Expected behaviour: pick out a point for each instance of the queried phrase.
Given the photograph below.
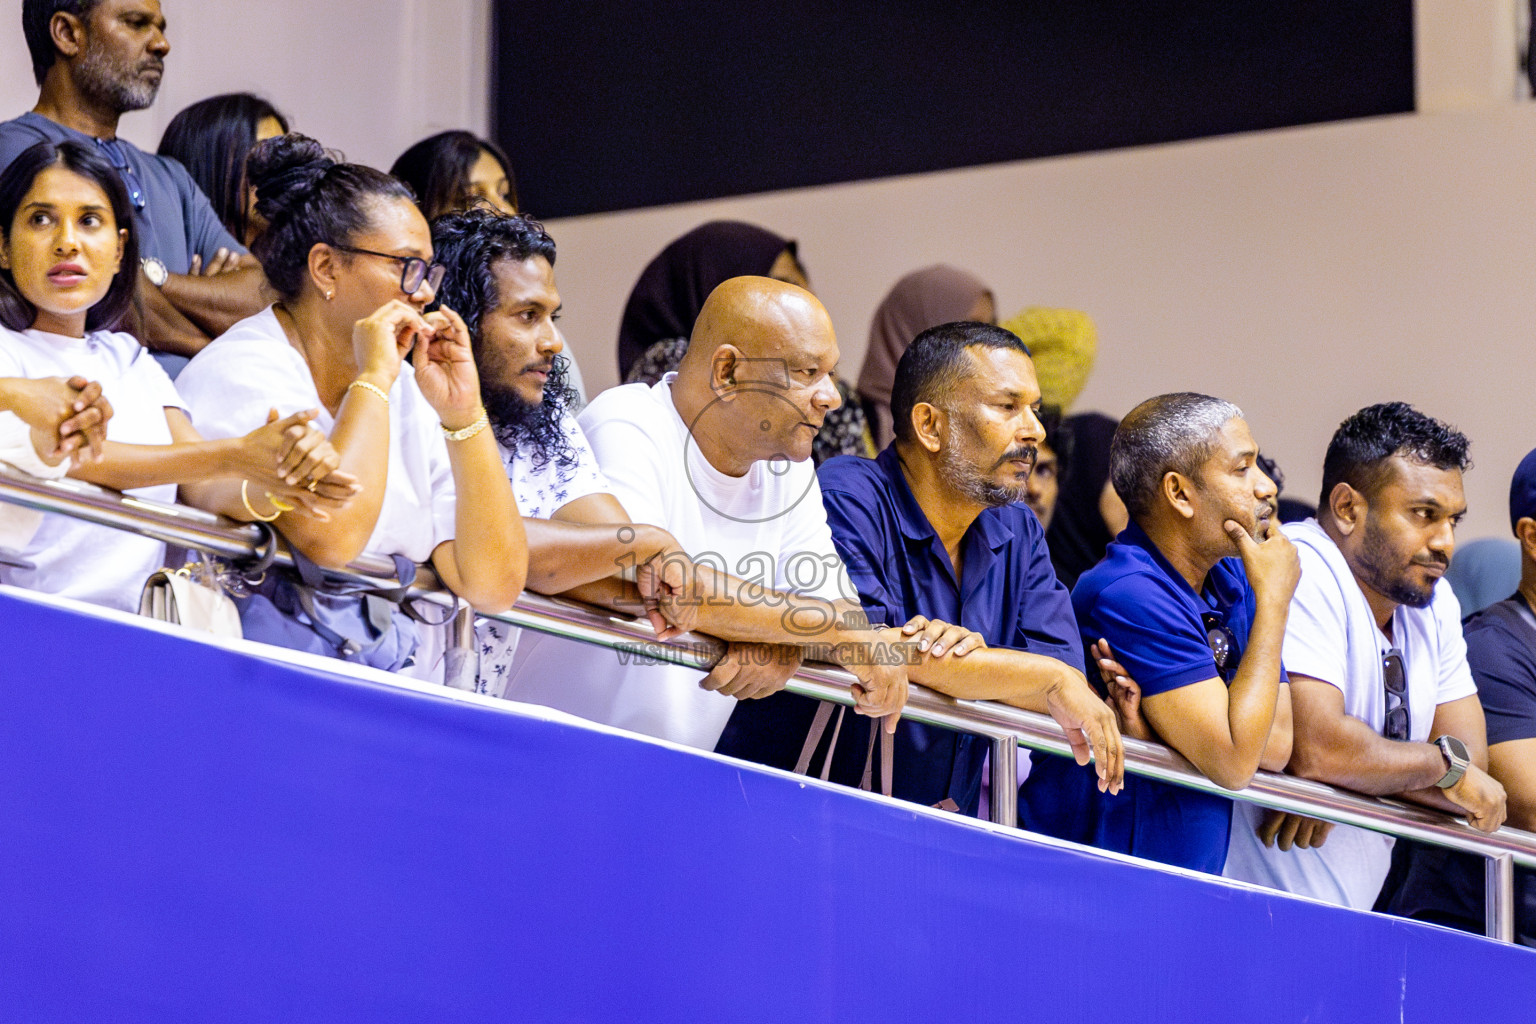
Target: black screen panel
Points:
(614, 105)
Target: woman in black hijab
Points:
(665, 302)
(1089, 514)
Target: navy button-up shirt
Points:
(1009, 594)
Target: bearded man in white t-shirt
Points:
(501, 273)
(1382, 699)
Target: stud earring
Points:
(329, 296)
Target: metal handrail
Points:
(1006, 727)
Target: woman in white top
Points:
(350, 258)
(68, 264)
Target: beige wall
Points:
(368, 77)
(1300, 273)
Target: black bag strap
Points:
(256, 565)
(378, 605)
(346, 644)
(310, 574)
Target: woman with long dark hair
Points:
(453, 171)
(212, 138)
(457, 171)
(68, 262)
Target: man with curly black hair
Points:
(501, 277)
(1382, 699)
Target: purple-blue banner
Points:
(191, 834)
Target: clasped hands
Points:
(68, 418)
(295, 464)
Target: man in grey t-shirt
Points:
(96, 60)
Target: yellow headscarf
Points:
(1064, 345)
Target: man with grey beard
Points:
(934, 528)
(96, 60)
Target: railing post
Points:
(1500, 875)
(461, 661)
(1005, 780)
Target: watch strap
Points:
(1456, 765)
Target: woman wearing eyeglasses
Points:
(350, 256)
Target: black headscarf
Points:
(666, 300)
(1078, 536)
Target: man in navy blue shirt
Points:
(934, 528)
(1198, 630)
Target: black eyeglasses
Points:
(119, 161)
(414, 271)
(1396, 681)
(1223, 644)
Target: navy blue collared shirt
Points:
(1008, 593)
(1161, 631)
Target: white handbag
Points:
(176, 596)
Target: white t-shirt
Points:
(1331, 635)
(19, 525)
(767, 526)
(251, 368)
(74, 558)
(542, 488)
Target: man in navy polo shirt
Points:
(935, 528)
(1192, 599)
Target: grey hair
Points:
(1167, 434)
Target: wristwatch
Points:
(1456, 760)
(155, 271)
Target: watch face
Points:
(1453, 749)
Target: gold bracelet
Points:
(245, 499)
(470, 431)
(370, 387)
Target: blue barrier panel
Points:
(191, 834)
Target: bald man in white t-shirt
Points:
(717, 454)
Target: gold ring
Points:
(278, 503)
(310, 487)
